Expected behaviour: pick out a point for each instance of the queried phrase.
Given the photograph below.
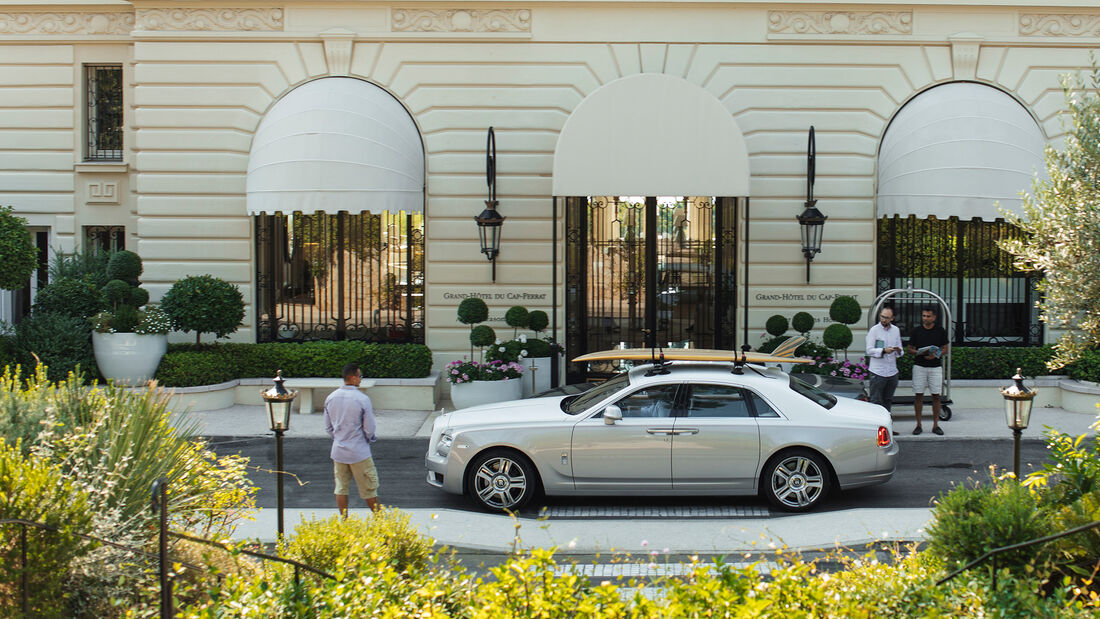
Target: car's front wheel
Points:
(501, 481)
(796, 481)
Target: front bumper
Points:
(443, 472)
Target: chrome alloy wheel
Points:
(797, 482)
(501, 483)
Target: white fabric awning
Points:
(958, 150)
(651, 134)
(336, 144)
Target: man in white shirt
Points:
(349, 420)
(883, 350)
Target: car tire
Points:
(796, 480)
(501, 481)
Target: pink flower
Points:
(465, 377)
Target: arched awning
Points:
(958, 150)
(336, 144)
(651, 134)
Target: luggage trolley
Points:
(920, 295)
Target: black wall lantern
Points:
(811, 221)
(489, 221)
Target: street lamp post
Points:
(1018, 400)
(278, 401)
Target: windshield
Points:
(819, 397)
(590, 397)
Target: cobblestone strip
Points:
(566, 512)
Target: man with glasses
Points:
(883, 349)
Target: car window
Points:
(656, 401)
(763, 409)
(717, 401)
(604, 390)
(814, 394)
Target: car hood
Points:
(515, 411)
(858, 410)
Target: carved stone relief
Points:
(103, 192)
(1060, 25)
(66, 23)
(461, 20)
(241, 19)
(840, 22)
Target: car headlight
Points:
(443, 447)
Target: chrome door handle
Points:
(667, 431)
(686, 431)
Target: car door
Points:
(632, 455)
(716, 441)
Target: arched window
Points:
(949, 158)
(336, 188)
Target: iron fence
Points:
(992, 301)
(340, 277)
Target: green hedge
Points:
(991, 362)
(187, 365)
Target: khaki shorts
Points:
(366, 478)
(927, 380)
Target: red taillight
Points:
(883, 436)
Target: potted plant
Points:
(483, 382)
(532, 352)
(128, 342)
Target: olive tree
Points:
(17, 251)
(1061, 225)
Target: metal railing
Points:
(993, 554)
(159, 494)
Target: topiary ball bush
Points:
(777, 325)
(802, 322)
(482, 335)
(846, 310)
(204, 304)
(68, 296)
(837, 336)
(516, 316)
(537, 321)
(125, 265)
(116, 292)
(472, 311)
(138, 296)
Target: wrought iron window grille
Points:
(103, 117)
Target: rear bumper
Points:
(887, 465)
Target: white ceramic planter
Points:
(475, 393)
(128, 358)
(537, 377)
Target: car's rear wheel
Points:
(796, 481)
(501, 481)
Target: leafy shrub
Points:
(221, 362)
(512, 350)
(992, 362)
(31, 488)
(7, 351)
(538, 321)
(969, 521)
(116, 291)
(86, 264)
(472, 310)
(1069, 485)
(69, 297)
(516, 316)
(538, 347)
(802, 322)
(837, 336)
(17, 252)
(777, 325)
(125, 265)
(336, 544)
(1085, 368)
(189, 369)
(61, 342)
(482, 335)
(845, 310)
(204, 304)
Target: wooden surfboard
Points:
(687, 354)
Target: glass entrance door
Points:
(648, 271)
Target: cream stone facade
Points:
(200, 76)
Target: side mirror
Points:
(611, 414)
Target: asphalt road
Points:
(926, 468)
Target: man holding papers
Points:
(928, 343)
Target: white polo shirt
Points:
(879, 338)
